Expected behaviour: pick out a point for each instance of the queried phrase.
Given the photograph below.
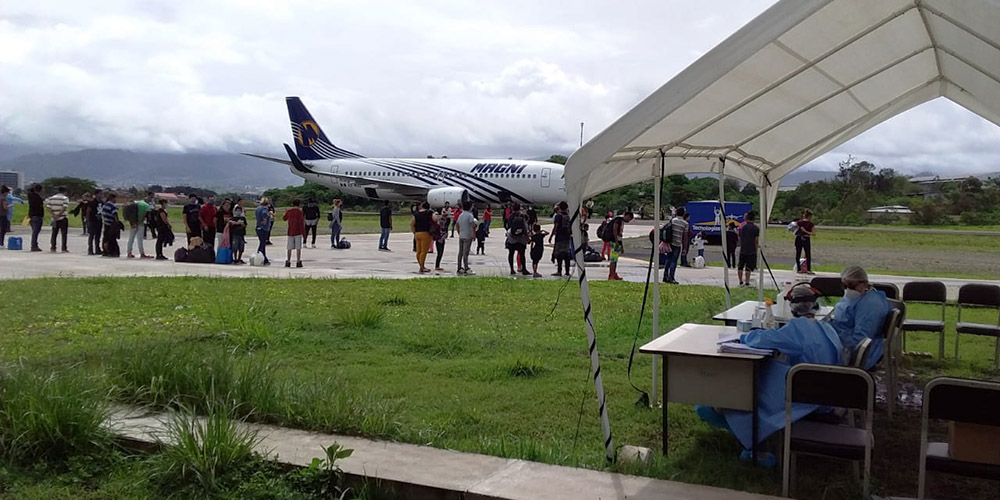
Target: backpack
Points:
(601, 229)
(609, 229)
(667, 232)
(130, 212)
(516, 222)
(344, 244)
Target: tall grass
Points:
(185, 376)
(247, 328)
(50, 416)
(203, 452)
(366, 318)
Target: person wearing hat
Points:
(861, 313)
(801, 340)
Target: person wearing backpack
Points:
(561, 232)
(615, 231)
(164, 231)
(112, 227)
(517, 239)
(678, 228)
(606, 247)
(336, 218)
(311, 212)
(135, 214)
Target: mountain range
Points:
(120, 168)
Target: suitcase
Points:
(14, 243)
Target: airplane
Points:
(435, 180)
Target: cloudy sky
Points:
(394, 78)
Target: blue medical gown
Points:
(802, 340)
(856, 319)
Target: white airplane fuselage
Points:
(484, 181)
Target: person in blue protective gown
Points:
(861, 314)
(801, 340)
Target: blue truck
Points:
(704, 215)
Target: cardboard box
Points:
(974, 443)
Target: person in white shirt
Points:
(58, 205)
(699, 245)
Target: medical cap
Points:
(806, 302)
(854, 273)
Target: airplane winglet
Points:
(296, 162)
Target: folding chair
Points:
(860, 356)
(827, 385)
(827, 286)
(982, 296)
(957, 400)
(927, 292)
(890, 290)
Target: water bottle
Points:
(758, 316)
(769, 315)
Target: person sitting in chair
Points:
(861, 313)
(801, 340)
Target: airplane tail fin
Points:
(310, 141)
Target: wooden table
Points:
(745, 311)
(695, 372)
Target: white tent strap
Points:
(595, 361)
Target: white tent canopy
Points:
(797, 81)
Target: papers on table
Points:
(729, 343)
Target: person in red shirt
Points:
(206, 215)
(296, 233)
(454, 225)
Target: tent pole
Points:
(595, 361)
(763, 238)
(658, 180)
(722, 230)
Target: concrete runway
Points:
(362, 260)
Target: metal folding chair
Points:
(826, 385)
(827, 286)
(890, 290)
(926, 292)
(957, 400)
(981, 296)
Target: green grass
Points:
(480, 365)
(50, 416)
(893, 239)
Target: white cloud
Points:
(388, 77)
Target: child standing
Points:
(699, 244)
(537, 247)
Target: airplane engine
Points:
(455, 196)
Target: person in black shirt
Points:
(36, 214)
(385, 222)
(192, 225)
(95, 223)
(311, 213)
(749, 235)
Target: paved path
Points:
(437, 473)
(362, 260)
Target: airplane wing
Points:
(401, 188)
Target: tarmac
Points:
(362, 260)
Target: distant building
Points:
(11, 179)
(172, 198)
(889, 214)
